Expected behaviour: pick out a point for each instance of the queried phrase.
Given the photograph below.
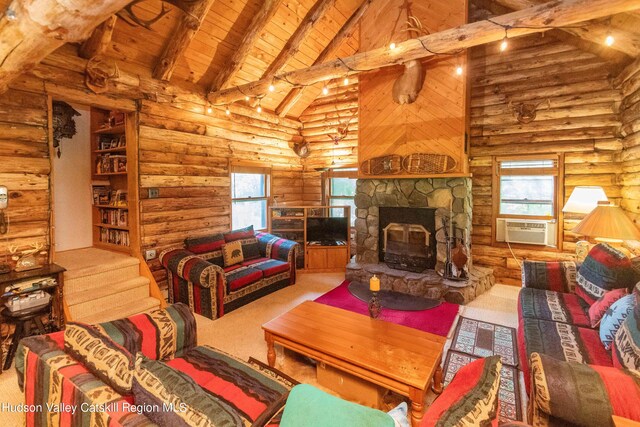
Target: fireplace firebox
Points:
(407, 237)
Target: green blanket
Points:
(307, 406)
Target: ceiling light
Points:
(346, 81)
(246, 97)
(272, 88)
(609, 40)
(227, 111)
(392, 46)
(504, 45)
(459, 70)
(209, 110)
(325, 90)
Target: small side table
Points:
(57, 291)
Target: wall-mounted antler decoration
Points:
(129, 15)
(526, 113)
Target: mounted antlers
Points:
(526, 113)
(130, 17)
(407, 87)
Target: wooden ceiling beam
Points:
(317, 11)
(625, 42)
(330, 51)
(99, 40)
(527, 21)
(179, 41)
(490, 8)
(258, 23)
(32, 29)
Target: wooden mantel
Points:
(527, 21)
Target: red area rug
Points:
(436, 320)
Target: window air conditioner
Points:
(528, 231)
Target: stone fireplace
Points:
(402, 221)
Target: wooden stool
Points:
(23, 320)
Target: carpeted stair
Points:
(101, 285)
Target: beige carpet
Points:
(239, 332)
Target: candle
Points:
(374, 284)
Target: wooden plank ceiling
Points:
(137, 49)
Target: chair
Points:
(23, 320)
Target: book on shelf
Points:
(101, 194)
(114, 237)
(111, 163)
(117, 217)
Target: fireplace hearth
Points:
(400, 236)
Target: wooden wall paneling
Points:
(583, 122)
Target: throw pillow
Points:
(232, 253)
(239, 234)
(247, 237)
(471, 399)
(613, 318)
(626, 342)
(600, 307)
(310, 407)
(204, 244)
(104, 358)
(171, 398)
(605, 268)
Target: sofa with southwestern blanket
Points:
(221, 272)
(144, 370)
(572, 373)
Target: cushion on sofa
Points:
(470, 399)
(269, 267)
(232, 253)
(550, 305)
(605, 268)
(159, 334)
(247, 238)
(107, 360)
(310, 407)
(170, 397)
(557, 276)
(626, 342)
(578, 394)
(613, 318)
(240, 277)
(602, 304)
(208, 247)
(561, 341)
(252, 392)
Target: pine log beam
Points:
(254, 31)
(32, 29)
(625, 41)
(317, 11)
(595, 47)
(527, 21)
(345, 32)
(188, 26)
(99, 41)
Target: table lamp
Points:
(608, 223)
(584, 199)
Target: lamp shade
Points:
(584, 199)
(609, 222)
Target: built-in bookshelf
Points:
(112, 221)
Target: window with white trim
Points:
(250, 187)
(528, 186)
(342, 191)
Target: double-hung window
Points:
(528, 186)
(250, 187)
(342, 191)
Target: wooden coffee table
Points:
(396, 357)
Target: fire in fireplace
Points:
(407, 238)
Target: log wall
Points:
(582, 122)
(185, 152)
(24, 169)
(629, 83)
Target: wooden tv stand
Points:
(322, 259)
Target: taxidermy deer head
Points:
(526, 113)
(130, 17)
(409, 84)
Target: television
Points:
(328, 231)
